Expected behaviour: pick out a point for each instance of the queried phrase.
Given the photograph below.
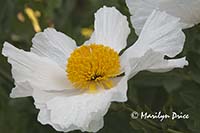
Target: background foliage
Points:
(178, 90)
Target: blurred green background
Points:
(178, 90)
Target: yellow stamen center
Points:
(92, 67)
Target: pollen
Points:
(92, 67)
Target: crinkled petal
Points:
(28, 69)
(83, 112)
(187, 10)
(168, 65)
(111, 29)
(54, 45)
(161, 36)
(155, 62)
(162, 33)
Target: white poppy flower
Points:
(187, 10)
(72, 86)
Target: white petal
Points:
(54, 45)
(162, 33)
(41, 97)
(111, 28)
(83, 112)
(43, 116)
(155, 62)
(167, 65)
(40, 72)
(119, 92)
(187, 10)
(22, 89)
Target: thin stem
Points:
(126, 106)
(173, 131)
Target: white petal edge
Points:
(54, 45)
(22, 89)
(161, 33)
(186, 10)
(168, 65)
(37, 72)
(154, 62)
(111, 29)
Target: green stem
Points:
(126, 106)
(173, 131)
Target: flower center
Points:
(92, 67)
